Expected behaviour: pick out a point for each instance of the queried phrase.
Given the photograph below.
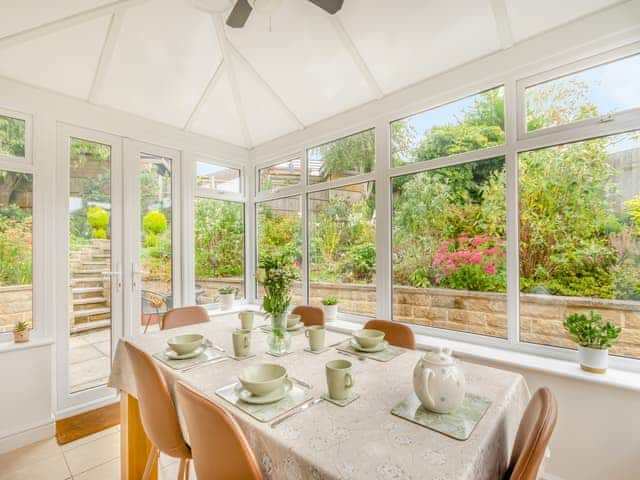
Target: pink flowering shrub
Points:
(471, 263)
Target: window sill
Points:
(10, 346)
(613, 378)
(215, 311)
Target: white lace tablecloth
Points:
(362, 440)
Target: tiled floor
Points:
(96, 457)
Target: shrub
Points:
(15, 251)
(360, 263)
(98, 218)
(154, 222)
(99, 233)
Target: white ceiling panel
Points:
(19, 15)
(405, 41)
(64, 61)
(298, 52)
(164, 57)
(529, 18)
(217, 116)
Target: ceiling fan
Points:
(242, 9)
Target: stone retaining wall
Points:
(15, 306)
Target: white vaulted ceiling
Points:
(173, 62)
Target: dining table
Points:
(361, 440)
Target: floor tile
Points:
(83, 353)
(103, 347)
(93, 454)
(166, 460)
(51, 468)
(171, 472)
(88, 372)
(106, 471)
(23, 457)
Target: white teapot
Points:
(438, 382)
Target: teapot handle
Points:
(428, 373)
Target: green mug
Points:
(246, 320)
(241, 342)
(339, 379)
(315, 334)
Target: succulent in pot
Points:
(21, 332)
(226, 297)
(330, 307)
(594, 337)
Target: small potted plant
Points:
(594, 338)
(330, 307)
(226, 297)
(21, 332)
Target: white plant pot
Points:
(330, 312)
(226, 301)
(593, 360)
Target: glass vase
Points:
(279, 339)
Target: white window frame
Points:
(288, 158)
(6, 159)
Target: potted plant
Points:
(226, 296)
(276, 276)
(21, 332)
(594, 338)
(330, 307)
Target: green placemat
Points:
(208, 355)
(385, 355)
(458, 425)
(269, 411)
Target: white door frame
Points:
(69, 403)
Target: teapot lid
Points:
(439, 356)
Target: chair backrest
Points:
(310, 315)
(534, 434)
(157, 410)
(395, 333)
(219, 447)
(179, 317)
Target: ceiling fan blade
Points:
(330, 6)
(239, 15)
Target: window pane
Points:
(579, 238)
(12, 136)
(281, 175)
(346, 157)
(342, 247)
(473, 123)
(217, 178)
(280, 234)
(219, 248)
(16, 202)
(449, 252)
(609, 88)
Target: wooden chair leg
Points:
(151, 460)
(181, 470)
(186, 469)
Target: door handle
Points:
(135, 272)
(117, 275)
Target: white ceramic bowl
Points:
(293, 320)
(183, 344)
(262, 378)
(368, 338)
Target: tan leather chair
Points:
(309, 315)
(179, 317)
(395, 333)
(158, 413)
(220, 449)
(534, 434)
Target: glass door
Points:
(92, 262)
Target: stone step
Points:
(83, 327)
(101, 255)
(93, 271)
(89, 300)
(92, 263)
(83, 290)
(90, 312)
(86, 282)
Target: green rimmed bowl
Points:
(368, 337)
(263, 378)
(187, 343)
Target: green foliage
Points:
(98, 219)
(361, 262)
(154, 222)
(591, 331)
(21, 327)
(226, 290)
(15, 247)
(276, 274)
(12, 136)
(329, 301)
(347, 156)
(100, 233)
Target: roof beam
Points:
(106, 54)
(223, 42)
(503, 26)
(66, 22)
(205, 94)
(273, 93)
(347, 43)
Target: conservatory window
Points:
(345, 157)
(580, 238)
(12, 137)
(605, 89)
(216, 178)
(449, 248)
(342, 247)
(16, 227)
(219, 248)
(280, 175)
(469, 124)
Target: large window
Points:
(473, 123)
(449, 248)
(280, 175)
(342, 247)
(216, 178)
(280, 234)
(12, 137)
(580, 238)
(345, 157)
(16, 222)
